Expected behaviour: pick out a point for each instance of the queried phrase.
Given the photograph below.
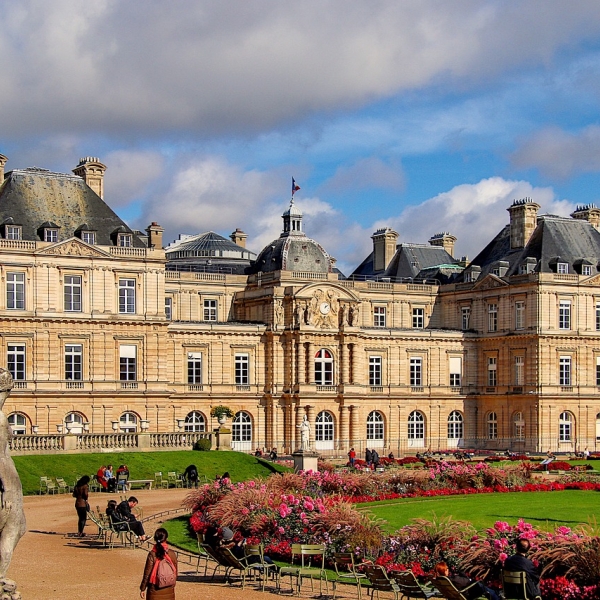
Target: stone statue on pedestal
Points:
(304, 434)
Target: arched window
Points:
(18, 423)
(74, 422)
(128, 422)
(598, 427)
(416, 429)
(323, 367)
(492, 426)
(375, 429)
(324, 431)
(519, 424)
(455, 425)
(195, 421)
(565, 427)
(241, 431)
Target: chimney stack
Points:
(91, 170)
(3, 161)
(588, 212)
(155, 233)
(444, 240)
(384, 248)
(523, 221)
(239, 237)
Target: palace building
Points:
(107, 333)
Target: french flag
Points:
(295, 187)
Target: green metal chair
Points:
(450, 591)
(307, 569)
(345, 569)
(514, 584)
(411, 588)
(380, 582)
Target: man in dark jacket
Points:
(520, 562)
(368, 457)
(123, 513)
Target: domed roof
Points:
(292, 211)
(206, 244)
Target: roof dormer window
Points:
(586, 270)
(89, 237)
(562, 268)
(124, 240)
(13, 232)
(50, 235)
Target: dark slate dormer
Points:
(11, 230)
(86, 234)
(583, 266)
(48, 231)
(122, 236)
(558, 264)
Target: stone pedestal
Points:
(223, 438)
(305, 460)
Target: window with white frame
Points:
(597, 370)
(17, 423)
(72, 293)
(455, 425)
(15, 291)
(564, 370)
(492, 426)
(127, 362)
(586, 270)
(50, 235)
(15, 361)
(168, 308)
(562, 267)
(324, 430)
(564, 314)
(493, 317)
(128, 422)
(194, 365)
(125, 240)
(210, 309)
(455, 368)
(241, 428)
(519, 425)
(379, 316)
(74, 423)
(242, 369)
(375, 370)
(519, 370)
(89, 237)
(598, 427)
(465, 317)
(416, 371)
(323, 367)
(375, 426)
(492, 371)
(73, 362)
(418, 318)
(416, 426)
(565, 427)
(13, 232)
(127, 296)
(520, 315)
(597, 316)
(194, 421)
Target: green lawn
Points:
(142, 465)
(545, 510)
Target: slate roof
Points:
(36, 196)
(293, 253)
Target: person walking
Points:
(80, 493)
(352, 457)
(160, 571)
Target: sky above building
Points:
(424, 116)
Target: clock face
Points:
(324, 308)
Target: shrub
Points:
(203, 444)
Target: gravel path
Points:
(49, 563)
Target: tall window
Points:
(379, 316)
(194, 421)
(597, 316)
(127, 360)
(73, 361)
(194, 367)
(375, 427)
(210, 310)
(127, 295)
(416, 371)
(564, 370)
(466, 317)
(455, 425)
(492, 371)
(597, 369)
(492, 426)
(565, 427)
(519, 315)
(455, 368)
(324, 428)
(519, 370)
(128, 422)
(241, 428)
(15, 290)
(564, 314)
(492, 317)
(519, 423)
(168, 308)
(242, 369)
(18, 423)
(323, 367)
(418, 318)
(15, 359)
(416, 428)
(72, 292)
(375, 370)
(74, 422)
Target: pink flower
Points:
(281, 530)
(245, 511)
(502, 526)
(503, 556)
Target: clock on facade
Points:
(324, 308)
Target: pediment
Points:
(595, 280)
(73, 247)
(489, 282)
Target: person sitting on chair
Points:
(520, 562)
(123, 514)
(476, 589)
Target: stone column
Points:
(344, 437)
(354, 433)
(355, 364)
(301, 362)
(345, 360)
(311, 419)
(311, 363)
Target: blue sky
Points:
(424, 116)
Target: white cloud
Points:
(560, 154)
(367, 173)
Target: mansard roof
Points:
(34, 197)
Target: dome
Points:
(293, 253)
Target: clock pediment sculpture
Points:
(323, 309)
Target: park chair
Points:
(62, 485)
(514, 584)
(51, 487)
(307, 568)
(255, 557)
(122, 482)
(216, 555)
(449, 590)
(104, 527)
(159, 482)
(43, 486)
(411, 588)
(94, 484)
(203, 554)
(174, 480)
(232, 563)
(345, 569)
(380, 582)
